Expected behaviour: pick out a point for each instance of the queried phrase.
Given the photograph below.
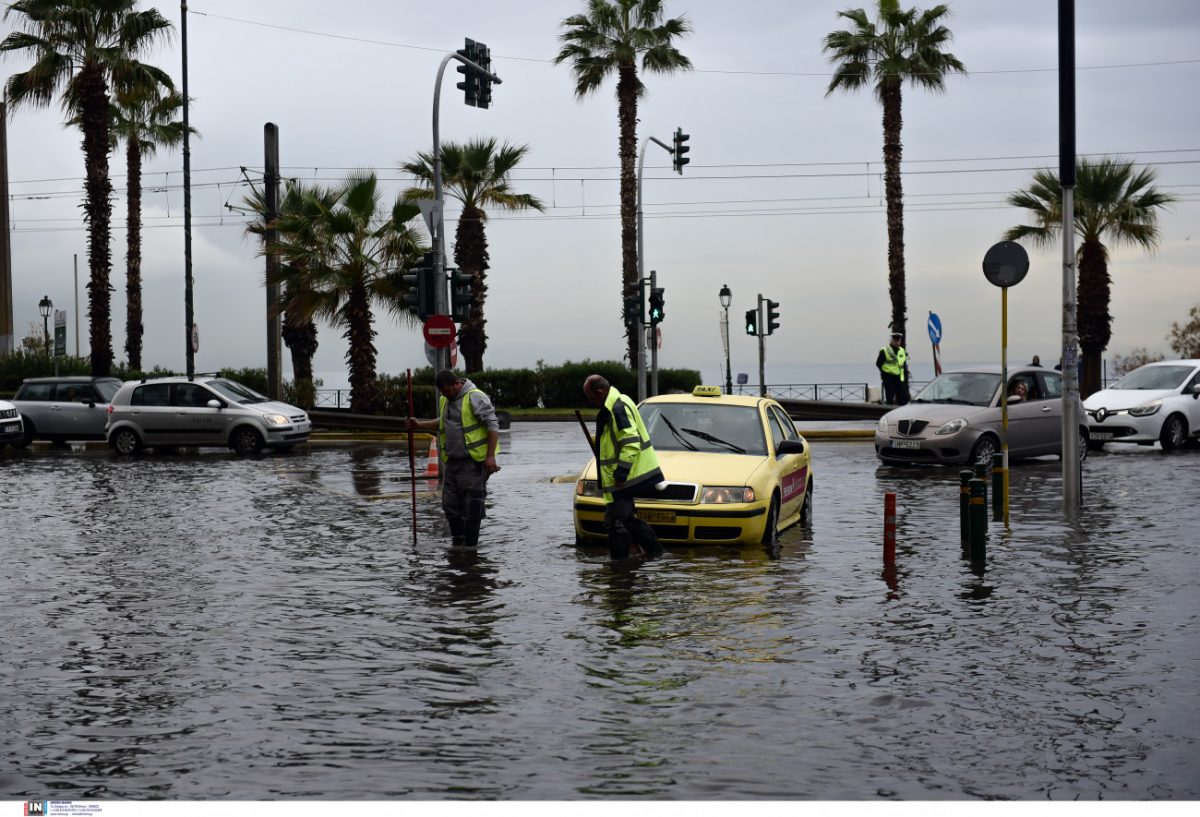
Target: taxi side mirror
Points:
(790, 447)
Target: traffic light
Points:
(632, 310)
(772, 317)
(420, 282)
(483, 58)
(461, 296)
(751, 321)
(470, 84)
(656, 306)
(680, 149)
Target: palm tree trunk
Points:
(894, 192)
(627, 85)
(98, 214)
(300, 337)
(1092, 316)
(470, 251)
(133, 258)
(361, 355)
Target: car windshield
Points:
(236, 391)
(710, 428)
(967, 388)
(1152, 378)
(107, 389)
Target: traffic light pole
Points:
(641, 266)
(441, 300)
(762, 350)
(653, 340)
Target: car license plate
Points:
(11, 428)
(661, 517)
(1101, 435)
(906, 443)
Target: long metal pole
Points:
(1071, 470)
(725, 338)
(271, 200)
(7, 330)
(653, 336)
(762, 349)
(1004, 396)
(641, 254)
(188, 315)
(76, 304)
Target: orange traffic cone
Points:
(433, 463)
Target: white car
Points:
(1158, 401)
(12, 431)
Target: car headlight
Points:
(724, 494)
(277, 419)
(952, 427)
(588, 487)
(1146, 410)
(882, 427)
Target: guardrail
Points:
(836, 392)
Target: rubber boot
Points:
(472, 534)
(458, 530)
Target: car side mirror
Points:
(790, 447)
(215, 404)
(1196, 391)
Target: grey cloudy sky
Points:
(783, 196)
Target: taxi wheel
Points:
(245, 441)
(806, 510)
(125, 442)
(770, 536)
(1174, 433)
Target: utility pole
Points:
(271, 200)
(188, 314)
(7, 338)
(1071, 470)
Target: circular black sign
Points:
(1005, 264)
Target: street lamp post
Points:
(45, 305)
(726, 298)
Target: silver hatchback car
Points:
(956, 419)
(205, 410)
(71, 407)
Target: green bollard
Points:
(978, 520)
(964, 503)
(998, 487)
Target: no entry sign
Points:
(439, 331)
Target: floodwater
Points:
(201, 626)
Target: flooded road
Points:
(209, 627)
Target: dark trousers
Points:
(895, 390)
(623, 527)
(464, 493)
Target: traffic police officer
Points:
(468, 439)
(892, 363)
(626, 465)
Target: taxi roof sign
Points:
(707, 391)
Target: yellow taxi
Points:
(736, 472)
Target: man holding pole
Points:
(627, 468)
(468, 439)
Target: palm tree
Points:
(608, 39)
(299, 332)
(476, 174)
(1112, 201)
(144, 117)
(344, 253)
(80, 48)
(899, 46)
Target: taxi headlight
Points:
(882, 427)
(1146, 410)
(276, 419)
(724, 494)
(588, 487)
(952, 427)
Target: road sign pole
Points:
(762, 349)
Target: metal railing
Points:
(835, 392)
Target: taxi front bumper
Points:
(682, 524)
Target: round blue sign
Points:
(935, 329)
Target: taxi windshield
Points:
(709, 428)
(236, 391)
